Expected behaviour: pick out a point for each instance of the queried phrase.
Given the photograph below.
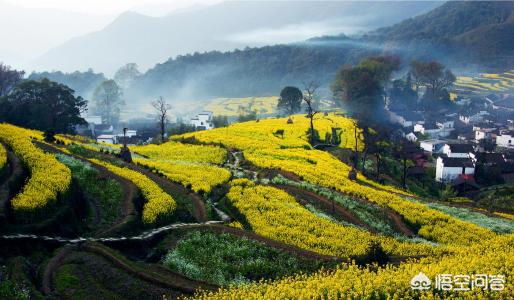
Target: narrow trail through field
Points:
(15, 173)
(152, 274)
(174, 189)
(305, 196)
(146, 235)
(129, 190)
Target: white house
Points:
(483, 134)
(411, 137)
(405, 118)
(505, 139)
(129, 133)
(203, 121)
(419, 128)
(434, 131)
(473, 118)
(106, 138)
(449, 169)
(446, 124)
(458, 150)
(432, 146)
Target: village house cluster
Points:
(477, 131)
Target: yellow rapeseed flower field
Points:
(178, 152)
(48, 177)
(3, 156)
(390, 282)
(158, 203)
(275, 214)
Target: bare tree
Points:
(162, 108)
(308, 97)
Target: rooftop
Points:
(461, 148)
(457, 162)
(433, 142)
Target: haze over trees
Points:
(9, 78)
(308, 97)
(83, 83)
(435, 77)
(290, 100)
(126, 75)
(44, 105)
(361, 89)
(162, 107)
(108, 99)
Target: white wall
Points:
(449, 174)
(505, 141)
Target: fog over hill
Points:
(145, 40)
(469, 35)
(29, 32)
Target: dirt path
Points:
(15, 173)
(199, 211)
(172, 188)
(150, 273)
(305, 196)
(129, 190)
(398, 223)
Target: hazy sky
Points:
(110, 7)
(43, 24)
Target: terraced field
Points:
(232, 107)
(173, 222)
(487, 82)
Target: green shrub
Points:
(226, 259)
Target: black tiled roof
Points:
(491, 158)
(457, 162)
(461, 148)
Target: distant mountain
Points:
(28, 32)
(226, 26)
(458, 32)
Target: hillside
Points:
(92, 224)
(145, 40)
(476, 31)
(462, 35)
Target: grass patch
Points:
(105, 192)
(225, 259)
(495, 224)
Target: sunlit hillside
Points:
(503, 82)
(233, 107)
(278, 187)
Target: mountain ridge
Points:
(226, 26)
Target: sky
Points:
(110, 7)
(44, 24)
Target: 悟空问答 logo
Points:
(420, 282)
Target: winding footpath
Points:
(141, 237)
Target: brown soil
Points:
(172, 188)
(398, 223)
(15, 171)
(305, 196)
(199, 212)
(153, 274)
